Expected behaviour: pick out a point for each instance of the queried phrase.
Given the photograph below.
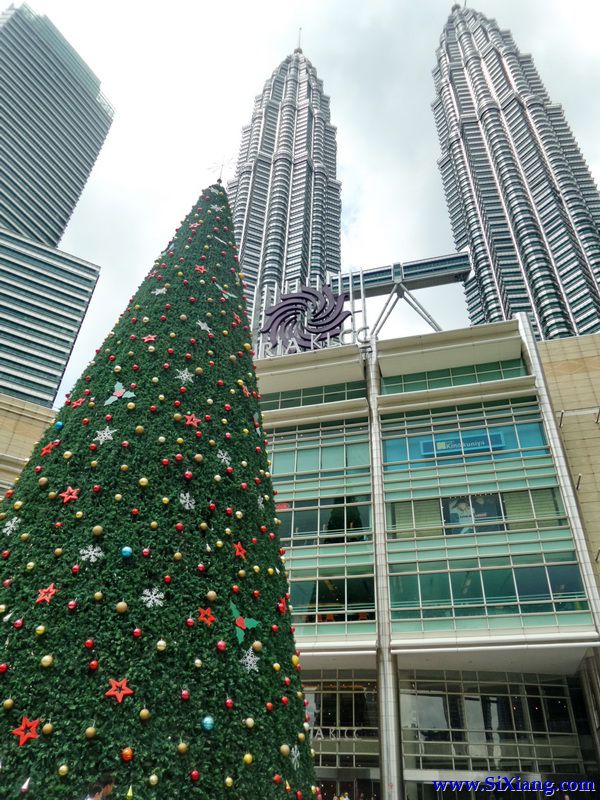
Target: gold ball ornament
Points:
(229, 782)
(295, 660)
(139, 429)
(219, 543)
(130, 406)
(98, 597)
(25, 537)
(117, 369)
(121, 607)
(249, 722)
(153, 779)
(145, 714)
(48, 729)
(153, 525)
(248, 758)
(284, 750)
(8, 704)
(198, 458)
(161, 645)
(40, 630)
(211, 596)
(165, 501)
(124, 468)
(301, 737)
(43, 482)
(79, 515)
(197, 663)
(90, 733)
(276, 666)
(67, 455)
(177, 556)
(52, 495)
(257, 646)
(63, 770)
(30, 566)
(118, 498)
(182, 748)
(143, 482)
(93, 464)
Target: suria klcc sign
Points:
(310, 319)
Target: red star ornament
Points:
(206, 615)
(191, 419)
(118, 689)
(27, 730)
(45, 595)
(49, 447)
(149, 338)
(239, 550)
(282, 605)
(200, 268)
(79, 402)
(69, 494)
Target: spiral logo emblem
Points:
(306, 317)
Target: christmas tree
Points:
(145, 606)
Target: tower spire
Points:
(299, 48)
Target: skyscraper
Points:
(53, 122)
(285, 195)
(519, 192)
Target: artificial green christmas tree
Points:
(147, 631)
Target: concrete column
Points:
(387, 675)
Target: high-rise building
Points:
(53, 122)
(519, 192)
(285, 195)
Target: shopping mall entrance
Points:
(357, 788)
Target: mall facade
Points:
(444, 595)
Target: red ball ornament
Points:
(89, 643)
(166, 366)
(167, 579)
(235, 588)
(135, 512)
(108, 417)
(5, 554)
(229, 703)
(221, 646)
(200, 567)
(277, 778)
(153, 409)
(18, 624)
(93, 665)
(256, 594)
(284, 700)
(72, 605)
(38, 469)
(93, 446)
(274, 628)
(269, 706)
(170, 351)
(179, 527)
(127, 754)
(165, 462)
(271, 535)
(244, 485)
(146, 552)
(195, 775)
(184, 694)
(189, 622)
(96, 488)
(254, 540)
(263, 528)
(75, 569)
(298, 795)
(136, 633)
(287, 681)
(3, 668)
(188, 475)
(178, 457)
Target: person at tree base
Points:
(143, 594)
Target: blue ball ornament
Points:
(126, 551)
(208, 723)
(58, 425)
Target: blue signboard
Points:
(471, 443)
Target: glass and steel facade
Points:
(53, 122)
(521, 197)
(285, 195)
(441, 587)
(44, 294)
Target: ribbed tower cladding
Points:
(285, 195)
(519, 192)
(53, 122)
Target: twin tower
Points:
(520, 196)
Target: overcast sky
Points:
(182, 77)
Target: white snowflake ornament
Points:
(11, 526)
(152, 598)
(224, 457)
(187, 501)
(249, 660)
(91, 553)
(184, 375)
(105, 435)
(295, 756)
